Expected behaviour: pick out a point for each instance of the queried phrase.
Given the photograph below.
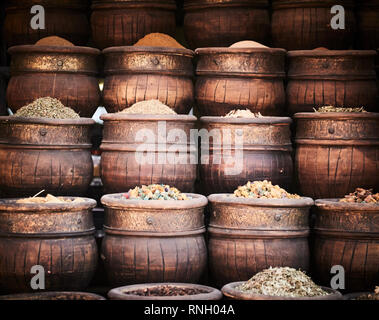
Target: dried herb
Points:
(263, 190)
(361, 195)
(49, 199)
(282, 282)
(243, 114)
(46, 107)
(336, 109)
(167, 291)
(155, 192)
(149, 107)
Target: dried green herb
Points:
(336, 109)
(282, 282)
(46, 107)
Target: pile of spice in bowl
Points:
(155, 192)
(54, 41)
(158, 40)
(263, 190)
(325, 109)
(369, 296)
(361, 195)
(238, 113)
(148, 107)
(282, 282)
(46, 107)
(167, 291)
(49, 199)
(247, 44)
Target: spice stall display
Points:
(347, 234)
(230, 78)
(331, 77)
(165, 291)
(336, 153)
(150, 241)
(55, 235)
(120, 168)
(123, 22)
(209, 23)
(368, 24)
(279, 284)
(259, 148)
(45, 154)
(248, 235)
(307, 24)
(67, 73)
(64, 18)
(134, 74)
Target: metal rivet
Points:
(79, 221)
(60, 63)
(281, 171)
(239, 132)
(149, 221)
(331, 130)
(278, 217)
(43, 132)
(155, 61)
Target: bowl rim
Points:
(117, 293)
(330, 53)
(264, 120)
(47, 121)
(336, 115)
(229, 291)
(114, 200)
(149, 49)
(227, 198)
(228, 50)
(25, 296)
(334, 204)
(147, 117)
(31, 48)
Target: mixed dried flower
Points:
(361, 195)
(282, 282)
(155, 192)
(370, 296)
(263, 190)
(238, 113)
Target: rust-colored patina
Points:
(149, 241)
(260, 149)
(336, 153)
(220, 23)
(240, 78)
(306, 24)
(134, 74)
(66, 73)
(57, 236)
(347, 234)
(319, 78)
(45, 154)
(123, 22)
(122, 142)
(64, 18)
(247, 236)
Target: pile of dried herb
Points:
(149, 107)
(361, 195)
(243, 114)
(370, 296)
(155, 192)
(166, 291)
(49, 199)
(46, 107)
(336, 109)
(263, 190)
(282, 282)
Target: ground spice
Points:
(361, 195)
(49, 199)
(247, 44)
(166, 291)
(54, 41)
(155, 192)
(149, 107)
(263, 190)
(46, 107)
(336, 109)
(243, 114)
(158, 40)
(282, 282)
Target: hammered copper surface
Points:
(50, 155)
(336, 153)
(344, 78)
(351, 232)
(135, 74)
(265, 146)
(249, 235)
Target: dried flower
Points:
(263, 190)
(243, 114)
(155, 192)
(361, 195)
